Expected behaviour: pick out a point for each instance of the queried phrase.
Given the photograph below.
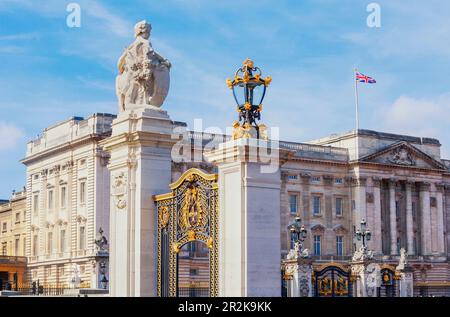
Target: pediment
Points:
(403, 154)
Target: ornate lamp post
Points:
(249, 89)
(363, 234)
(299, 232)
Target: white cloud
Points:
(421, 117)
(10, 135)
(111, 21)
(20, 36)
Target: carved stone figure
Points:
(362, 254)
(119, 190)
(297, 252)
(401, 156)
(143, 80)
(403, 261)
(100, 241)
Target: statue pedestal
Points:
(299, 273)
(406, 283)
(365, 276)
(140, 166)
(249, 219)
(138, 118)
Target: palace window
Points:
(317, 246)
(82, 192)
(63, 196)
(397, 208)
(4, 227)
(35, 203)
(18, 217)
(315, 179)
(293, 203)
(62, 241)
(399, 244)
(82, 237)
(338, 206)
(5, 248)
(193, 272)
(316, 205)
(339, 245)
(338, 181)
(292, 177)
(50, 199)
(49, 242)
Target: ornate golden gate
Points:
(187, 236)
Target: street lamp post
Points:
(299, 232)
(363, 234)
(249, 89)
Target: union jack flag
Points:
(364, 79)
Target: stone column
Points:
(140, 167)
(425, 218)
(249, 218)
(360, 211)
(440, 218)
(377, 236)
(393, 217)
(360, 199)
(406, 282)
(409, 219)
(300, 282)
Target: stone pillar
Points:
(140, 167)
(364, 275)
(406, 283)
(440, 218)
(425, 218)
(393, 217)
(377, 236)
(249, 219)
(360, 200)
(300, 281)
(409, 219)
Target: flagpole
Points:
(356, 102)
(357, 116)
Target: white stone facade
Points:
(67, 201)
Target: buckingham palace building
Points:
(137, 204)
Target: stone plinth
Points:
(249, 218)
(140, 166)
(299, 274)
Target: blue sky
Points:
(50, 72)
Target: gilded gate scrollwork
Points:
(188, 213)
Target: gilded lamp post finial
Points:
(249, 89)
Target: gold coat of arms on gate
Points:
(192, 213)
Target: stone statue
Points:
(297, 252)
(100, 241)
(143, 80)
(403, 261)
(362, 254)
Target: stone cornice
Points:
(63, 147)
